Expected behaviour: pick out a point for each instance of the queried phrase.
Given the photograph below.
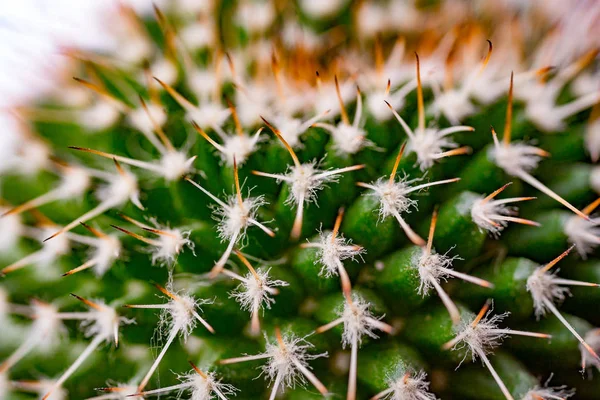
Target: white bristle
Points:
(584, 234)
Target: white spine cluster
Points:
(432, 144)
(200, 386)
(102, 325)
(179, 316)
(479, 336)
(348, 138)
(288, 362)
(168, 244)
(433, 268)
(359, 321)
(494, 215)
(583, 234)
(234, 217)
(547, 288)
(406, 385)
(304, 181)
(516, 158)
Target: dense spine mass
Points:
(319, 195)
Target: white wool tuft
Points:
(165, 70)
(179, 314)
(209, 115)
(204, 83)
(393, 198)
(255, 17)
(455, 104)
(199, 35)
(104, 322)
(108, 249)
(52, 249)
(544, 289)
(120, 189)
(358, 321)
(349, 139)
(432, 267)
(33, 157)
(428, 145)
(239, 147)
(99, 116)
(306, 180)
(140, 120)
(409, 385)
(74, 183)
(234, 220)
(485, 213)
(11, 229)
(175, 164)
(548, 393)
(516, 157)
(592, 338)
(204, 388)
(584, 234)
(332, 251)
(47, 326)
(284, 361)
(170, 245)
(254, 294)
(481, 338)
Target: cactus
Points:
(298, 184)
